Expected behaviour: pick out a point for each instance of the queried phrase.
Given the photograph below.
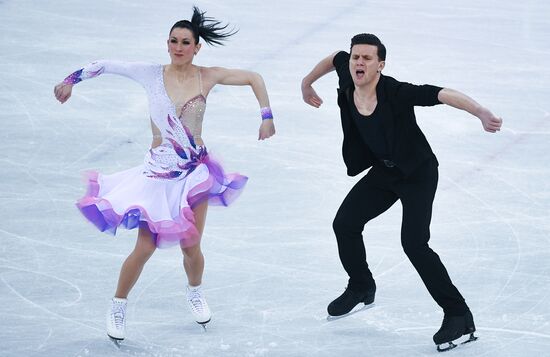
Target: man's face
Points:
(364, 64)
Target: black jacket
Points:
(407, 145)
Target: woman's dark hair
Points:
(370, 39)
(211, 30)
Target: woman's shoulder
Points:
(211, 69)
(213, 73)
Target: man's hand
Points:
(310, 96)
(490, 122)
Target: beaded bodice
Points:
(178, 128)
(190, 113)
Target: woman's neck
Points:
(182, 71)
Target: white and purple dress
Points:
(174, 177)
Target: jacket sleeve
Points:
(341, 64)
(418, 95)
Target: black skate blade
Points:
(115, 341)
(352, 312)
(203, 325)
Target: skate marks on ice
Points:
(493, 339)
(267, 333)
(85, 327)
(126, 347)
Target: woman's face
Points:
(182, 46)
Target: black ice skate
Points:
(452, 328)
(345, 303)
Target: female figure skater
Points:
(167, 196)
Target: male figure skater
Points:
(380, 131)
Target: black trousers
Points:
(373, 195)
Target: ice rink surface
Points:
(271, 258)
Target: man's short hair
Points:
(370, 39)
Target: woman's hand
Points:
(63, 92)
(267, 129)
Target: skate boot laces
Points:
(198, 305)
(118, 313)
(116, 320)
(197, 302)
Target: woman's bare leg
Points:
(133, 265)
(193, 260)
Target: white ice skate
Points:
(197, 304)
(116, 320)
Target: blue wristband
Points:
(266, 113)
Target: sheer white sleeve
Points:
(137, 71)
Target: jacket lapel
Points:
(387, 115)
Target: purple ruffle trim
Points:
(218, 189)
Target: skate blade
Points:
(352, 312)
(472, 338)
(203, 325)
(115, 341)
(447, 346)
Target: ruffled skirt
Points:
(132, 198)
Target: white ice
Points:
(271, 258)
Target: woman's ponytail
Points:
(212, 31)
